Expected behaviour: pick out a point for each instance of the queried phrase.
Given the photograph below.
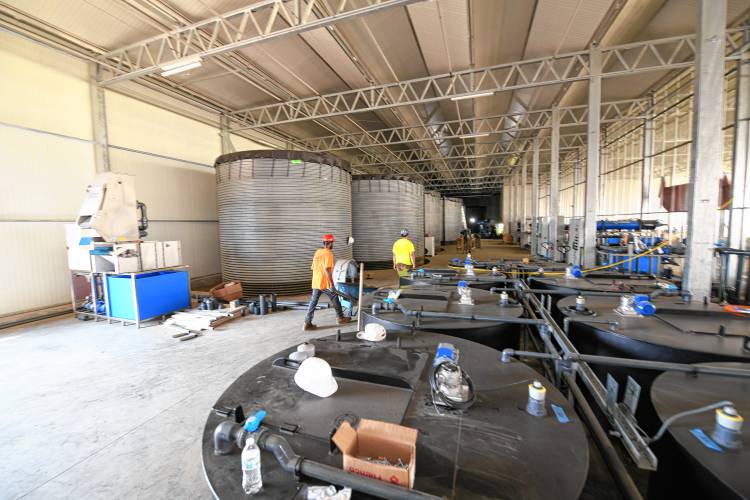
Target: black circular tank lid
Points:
(673, 392)
(444, 299)
(677, 325)
(495, 449)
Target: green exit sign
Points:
(296, 162)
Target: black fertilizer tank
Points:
(445, 300)
(504, 451)
(679, 333)
(687, 467)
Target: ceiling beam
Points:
(232, 31)
(628, 59)
(630, 109)
(471, 150)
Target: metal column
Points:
(522, 213)
(534, 194)
(592, 157)
(554, 183)
(648, 153)
(741, 152)
(707, 147)
(511, 205)
(99, 121)
(576, 181)
(226, 139)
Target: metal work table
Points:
(495, 449)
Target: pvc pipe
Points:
(469, 317)
(360, 297)
(616, 467)
(295, 464)
(634, 363)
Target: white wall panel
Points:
(42, 176)
(136, 125)
(170, 189)
(242, 144)
(200, 244)
(40, 89)
(33, 266)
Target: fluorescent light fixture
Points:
(471, 96)
(472, 136)
(181, 66)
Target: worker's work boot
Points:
(343, 320)
(309, 326)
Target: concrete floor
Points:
(91, 410)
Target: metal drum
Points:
(455, 219)
(687, 467)
(381, 207)
(679, 332)
(505, 452)
(274, 207)
(445, 300)
(433, 215)
(451, 277)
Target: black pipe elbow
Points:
(282, 450)
(225, 437)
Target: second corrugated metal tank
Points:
(455, 220)
(381, 207)
(433, 215)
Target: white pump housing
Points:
(110, 208)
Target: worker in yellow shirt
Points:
(404, 254)
(322, 282)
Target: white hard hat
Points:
(314, 376)
(374, 332)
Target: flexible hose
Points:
(687, 413)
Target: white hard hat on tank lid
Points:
(314, 375)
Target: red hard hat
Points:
(327, 238)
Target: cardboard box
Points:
(227, 291)
(374, 438)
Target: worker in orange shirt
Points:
(322, 282)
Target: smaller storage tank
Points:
(381, 206)
(433, 215)
(454, 218)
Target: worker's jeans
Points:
(314, 302)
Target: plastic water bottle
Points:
(252, 481)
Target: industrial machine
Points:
(115, 274)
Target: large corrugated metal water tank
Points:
(274, 208)
(455, 219)
(433, 215)
(381, 206)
